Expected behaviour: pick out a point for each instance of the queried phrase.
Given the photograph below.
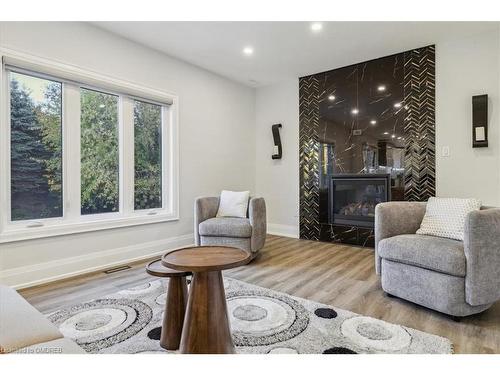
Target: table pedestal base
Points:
(206, 325)
(173, 318)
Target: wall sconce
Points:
(480, 121)
(277, 150)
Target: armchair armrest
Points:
(204, 208)
(258, 221)
(482, 252)
(395, 218)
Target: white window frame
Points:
(74, 78)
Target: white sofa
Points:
(23, 329)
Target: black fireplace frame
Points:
(365, 223)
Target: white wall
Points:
(464, 68)
(217, 145)
(278, 180)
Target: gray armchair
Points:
(454, 277)
(247, 233)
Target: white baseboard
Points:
(283, 230)
(41, 273)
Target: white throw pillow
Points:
(445, 217)
(233, 203)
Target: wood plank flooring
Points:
(338, 275)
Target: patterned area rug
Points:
(262, 321)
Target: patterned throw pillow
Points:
(445, 217)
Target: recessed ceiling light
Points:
(399, 137)
(386, 133)
(248, 51)
(331, 98)
(381, 88)
(393, 136)
(373, 122)
(102, 105)
(316, 26)
(397, 105)
(354, 111)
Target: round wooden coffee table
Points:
(206, 325)
(175, 306)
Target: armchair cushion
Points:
(395, 218)
(482, 250)
(257, 215)
(204, 208)
(226, 227)
(434, 253)
(58, 346)
(21, 324)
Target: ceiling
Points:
(284, 50)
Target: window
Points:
(35, 147)
(99, 152)
(82, 152)
(147, 155)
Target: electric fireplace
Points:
(353, 197)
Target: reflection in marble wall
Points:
(375, 117)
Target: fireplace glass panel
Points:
(353, 200)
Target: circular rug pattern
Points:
(161, 299)
(339, 350)
(283, 350)
(375, 334)
(159, 351)
(260, 318)
(155, 333)
(142, 288)
(102, 323)
(325, 313)
(249, 312)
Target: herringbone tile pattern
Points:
(309, 157)
(419, 124)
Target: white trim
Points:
(173, 158)
(170, 157)
(71, 151)
(4, 149)
(42, 273)
(127, 155)
(93, 224)
(291, 231)
(79, 76)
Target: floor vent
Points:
(117, 269)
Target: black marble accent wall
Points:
(359, 123)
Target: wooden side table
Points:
(175, 306)
(206, 325)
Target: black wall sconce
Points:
(480, 121)
(278, 152)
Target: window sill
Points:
(61, 229)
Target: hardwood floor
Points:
(338, 275)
